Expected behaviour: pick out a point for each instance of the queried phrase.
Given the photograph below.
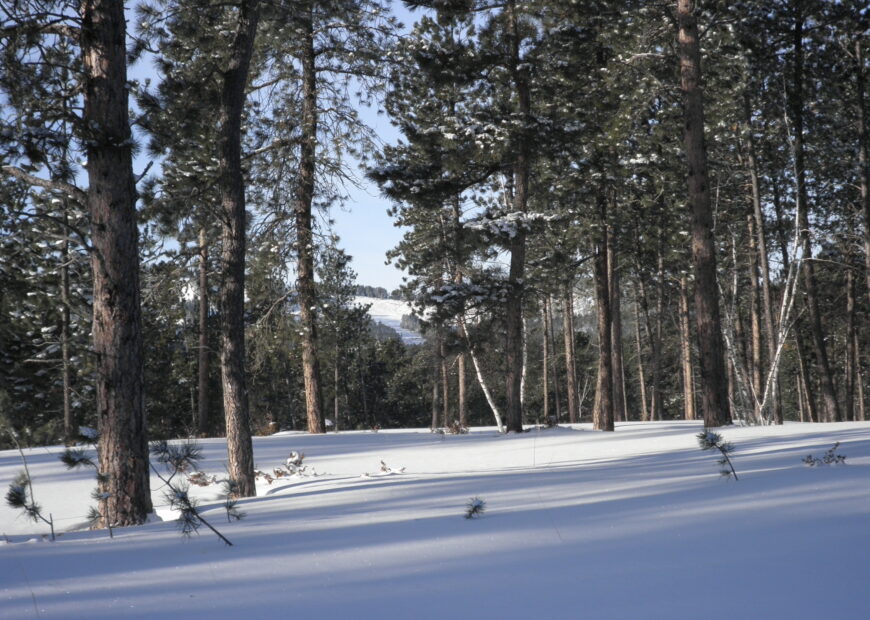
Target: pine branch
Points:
(57, 186)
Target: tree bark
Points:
(336, 383)
(462, 391)
(850, 367)
(714, 382)
(304, 231)
(240, 451)
(863, 156)
(763, 264)
(641, 376)
(69, 424)
(117, 319)
(570, 361)
(809, 395)
(686, 352)
(445, 383)
(545, 361)
(756, 368)
(829, 398)
(554, 360)
(202, 354)
(613, 279)
(517, 246)
(603, 415)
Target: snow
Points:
(389, 312)
(578, 524)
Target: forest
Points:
(611, 211)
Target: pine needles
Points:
(708, 440)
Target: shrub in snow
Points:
(708, 440)
(385, 469)
(179, 459)
(474, 508)
(828, 458)
(20, 493)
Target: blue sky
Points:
(365, 229)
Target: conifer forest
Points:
(609, 211)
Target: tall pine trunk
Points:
(202, 354)
(461, 390)
(641, 374)
(517, 245)
(863, 157)
(545, 358)
(69, 422)
(304, 232)
(613, 279)
(829, 397)
(756, 368)
(851, 362)
(714, 381)
(117, 319)
(686, 352)
(763, 264)
(602, 418)
(240, 451)
(570, 361)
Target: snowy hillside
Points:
(389, 312)
(634, 524)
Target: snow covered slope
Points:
(389, 312)
(635, 524)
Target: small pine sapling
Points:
(178, 459)
(828, 458)
(475, 508)
(74, 458)
(20, 493)
(708, 440)
(231, 488)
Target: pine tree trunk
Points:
(863, 157)
(641, 375)
(850, 367)
(69, 424)
(603, 415)
(756, 369)
(240, 451)
(570, 362)
(812, 413)
(799, 390)
(613, 279)
(686, 352)
(554, 360)
(545, 361)
(658, 399)
(202, 354)
(337, 387)
(436, 385)
(829, 398)
(652, 404)
(859, 383)
(462, 391)
(445, 383)
(713, 386)
(517, 246)
(304, 232)
(761, 248)
(117, 319)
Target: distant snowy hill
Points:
(389, 312)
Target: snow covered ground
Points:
(389, 312)
(578, 524)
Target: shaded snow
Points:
(578, 524)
